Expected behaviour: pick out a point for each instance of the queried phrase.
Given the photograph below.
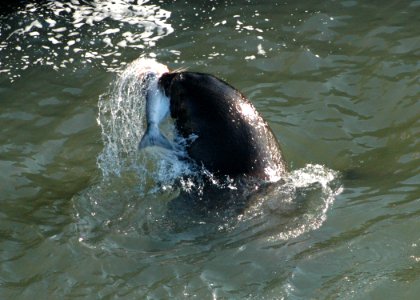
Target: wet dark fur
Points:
(228, 144)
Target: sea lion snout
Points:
(165, 82)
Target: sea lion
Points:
(230, 138)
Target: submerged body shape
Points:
(232, 139)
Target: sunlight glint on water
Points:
(59, 37)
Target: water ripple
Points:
(69, 34)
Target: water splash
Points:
(137, 186)
(71, 34)
(122, 121)
(299, 203)
(307, 180)
(121, 115)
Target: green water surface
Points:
(338, 82)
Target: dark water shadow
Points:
(270, 207)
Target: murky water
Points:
(85, 215)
